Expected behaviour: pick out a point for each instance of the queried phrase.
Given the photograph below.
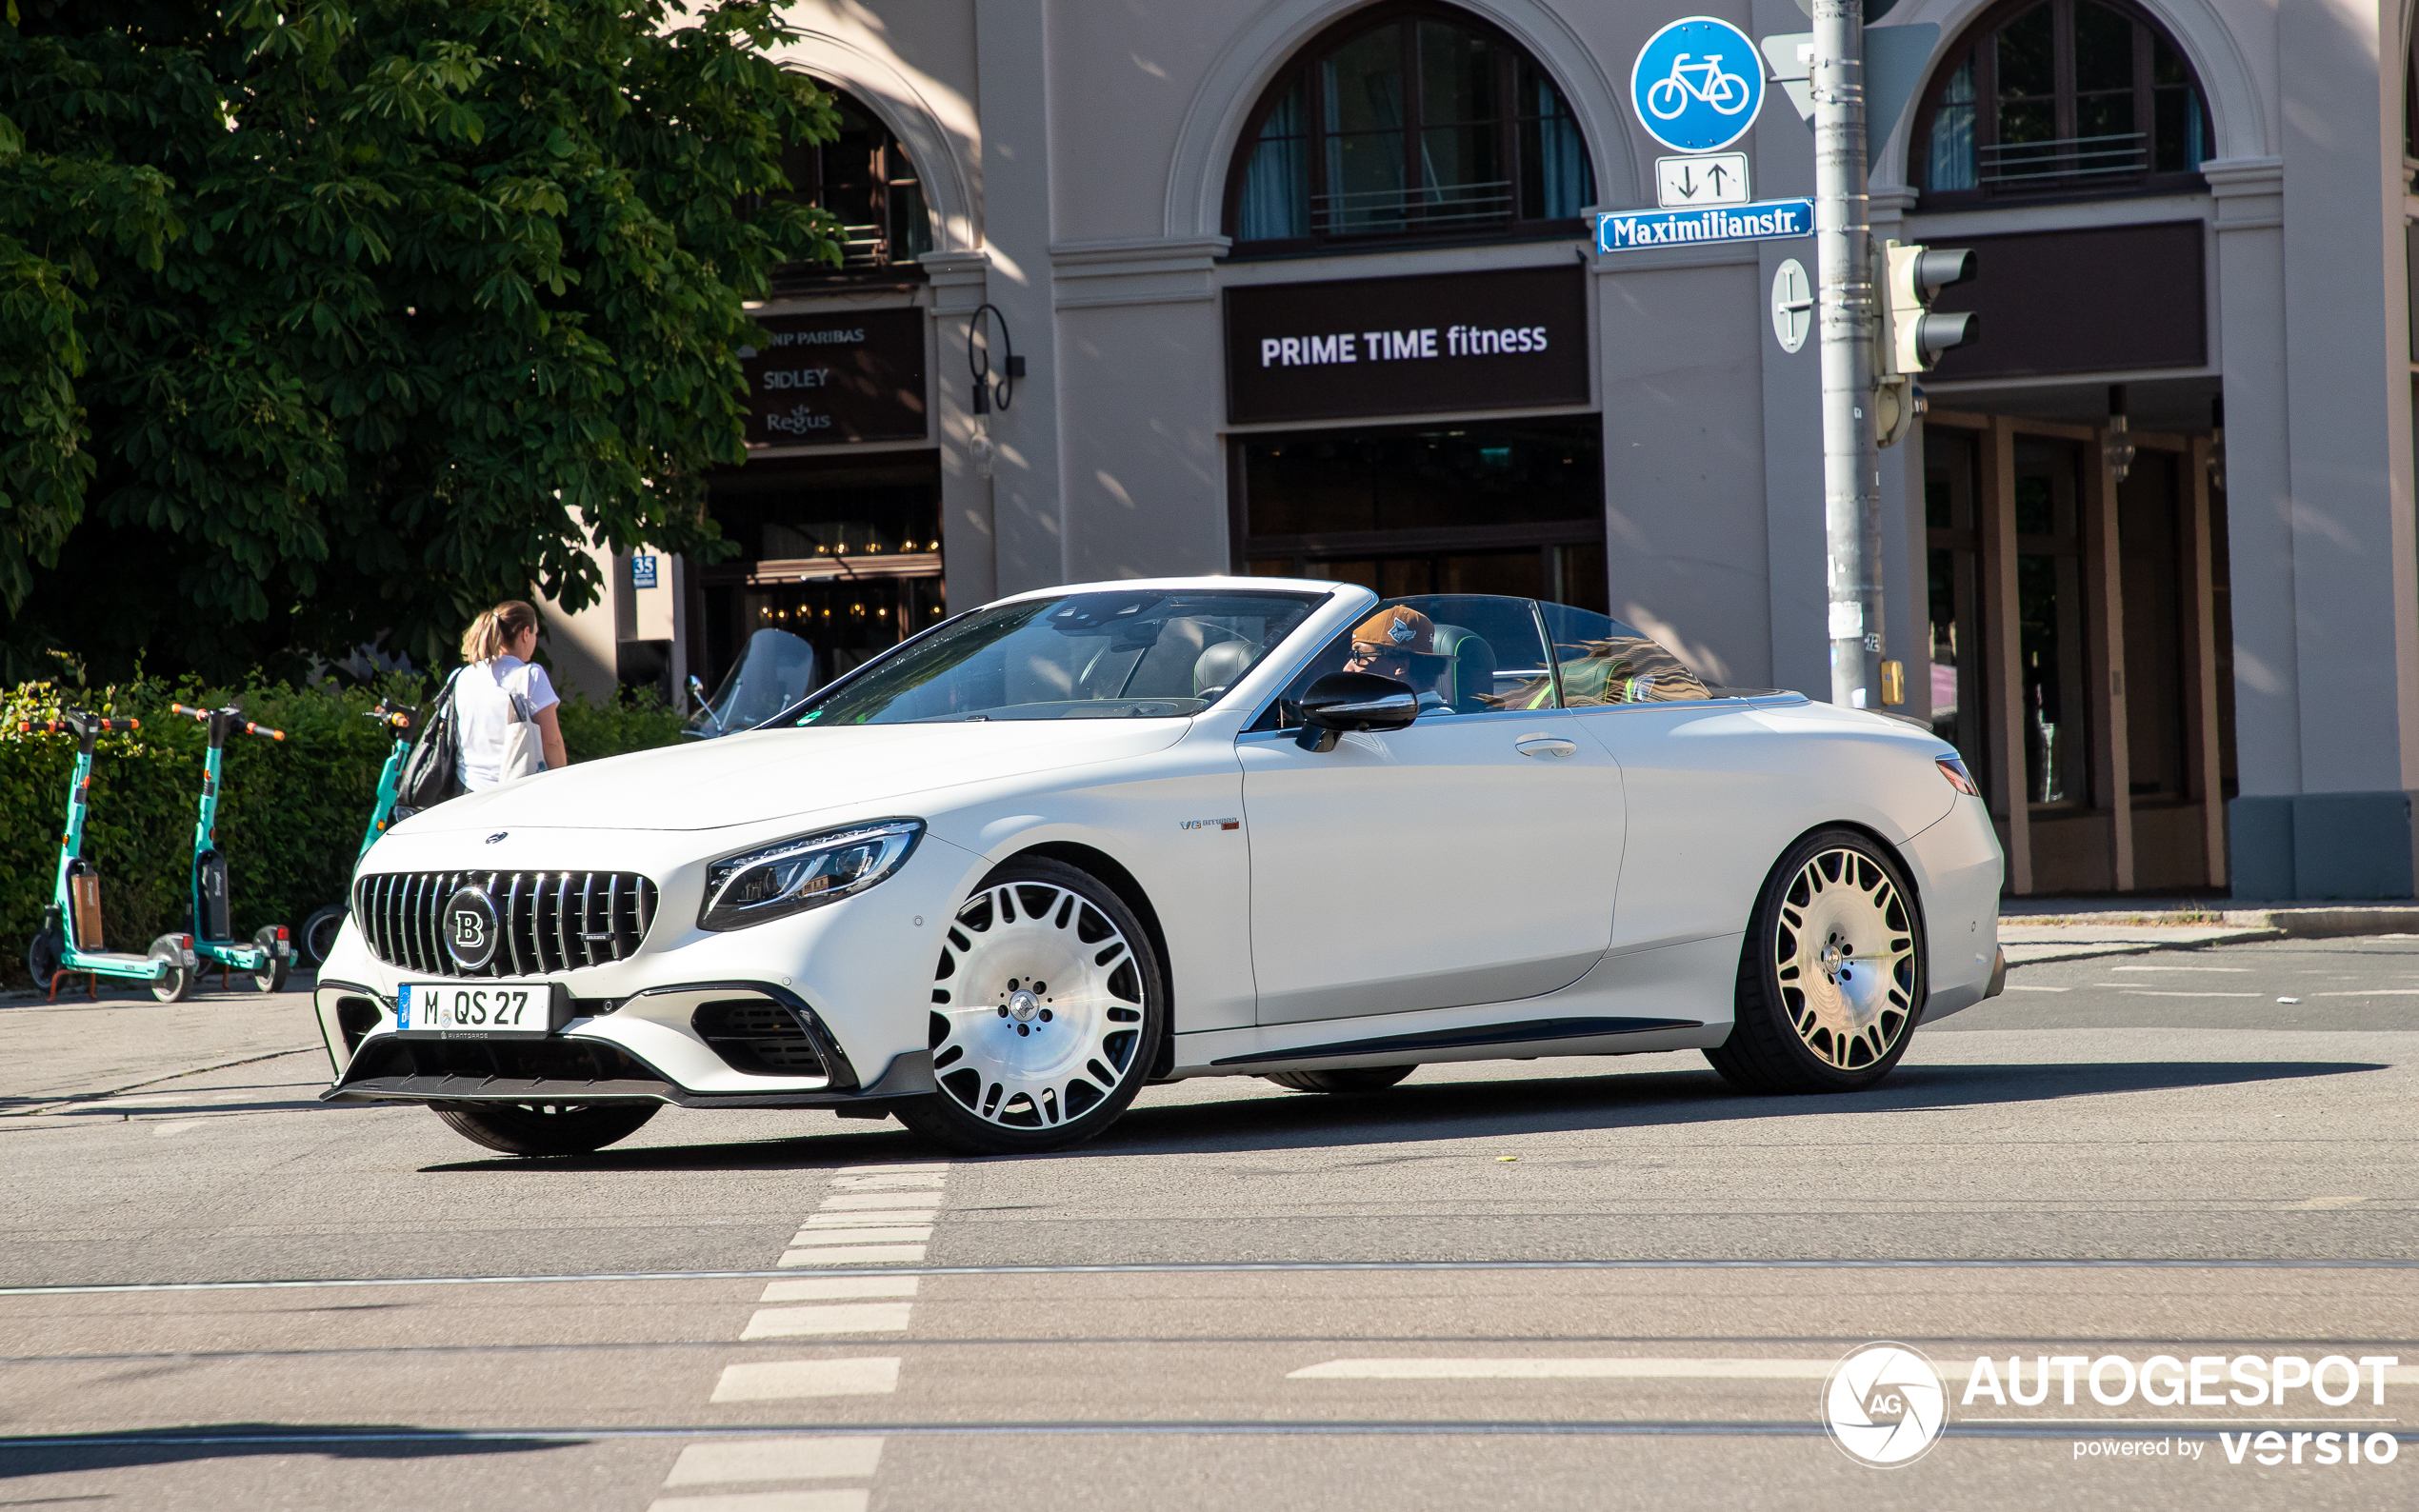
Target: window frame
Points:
(893, 186)
(1975, 47)
(1302, 70)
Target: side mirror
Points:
(1343, 701)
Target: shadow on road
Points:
(1442, 1110)
(54, 1453)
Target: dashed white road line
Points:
(875, 1216)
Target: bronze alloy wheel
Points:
(1831, 979)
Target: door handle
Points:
(1545, 747)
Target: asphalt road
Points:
(1600, 1282)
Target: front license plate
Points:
(482, 1010)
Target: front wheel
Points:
(1047, 1012)
(271, 977)
(544, 1128)
(43, 954)
(177, 982)
(1343, 1079)
(1831, 979)
(317, 940)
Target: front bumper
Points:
(583, 1065)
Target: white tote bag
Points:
(524, 747)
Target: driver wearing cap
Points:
(1400, 643)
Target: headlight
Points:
(776, 881)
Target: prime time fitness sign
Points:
(1422, 345)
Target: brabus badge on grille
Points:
(471, 928)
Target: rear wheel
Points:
(177, 982)
(544, 1128)
(1347, 1079)
(271, 978)
(1047, 1012)
(317, 940)
(1831, 979)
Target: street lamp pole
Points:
(1845, 315)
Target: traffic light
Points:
(1912, 336)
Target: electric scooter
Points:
(319, 931)
(268, 955)
(70, 941)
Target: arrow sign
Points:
(1706, 178)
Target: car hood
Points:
(761, 775)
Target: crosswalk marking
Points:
(838, 1288)
(841, 1317)
(890, 1218)
(775, 1460)
(890, 1234)
(856, 1201)
(784, 1380)
(831, 1501)
(852, 1255)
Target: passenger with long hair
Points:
(502, 687)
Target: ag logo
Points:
(471, 928)
(1885, 1406)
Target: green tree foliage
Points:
(323, 318)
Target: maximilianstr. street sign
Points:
(1764, 220)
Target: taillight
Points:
(1954, 770)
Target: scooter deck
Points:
(113, 964)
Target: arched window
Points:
(863, 177)
(2060, 99)
(1407, 121)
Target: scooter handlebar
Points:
(52, 727)
(248, 728)
(263, 729)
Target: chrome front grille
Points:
(550, 921)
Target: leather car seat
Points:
(1470, 686)
(1216, 669)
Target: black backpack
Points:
(431, 773)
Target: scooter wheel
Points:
(42, 956)
(174, 987)
(318, 938)
(274, 979)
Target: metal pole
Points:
(1844, 303)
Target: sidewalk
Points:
(69, 1051)
(2034, 929)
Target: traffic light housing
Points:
(1912, 336)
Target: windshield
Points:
(776, 671)
(1139, 654)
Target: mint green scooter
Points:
(268, 955)
(69, 943)
(319, 931)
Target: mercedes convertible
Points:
(997, 879)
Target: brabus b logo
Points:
(471, 928)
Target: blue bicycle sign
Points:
(1697, 85)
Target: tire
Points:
(1728, 94)
(1049, 1011)
(1348, 1079)
(178, 984)
(274, 979)
(544, 1128)
(1663, 91)
(1832, 976)
(317, 940)
(43, 954)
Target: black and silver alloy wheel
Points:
(1047, 1013)
(1832, 980)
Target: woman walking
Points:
(502, 688)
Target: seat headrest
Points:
(1216, 669)
(1472, 679)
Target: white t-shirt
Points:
(483, 708)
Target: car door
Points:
(1710, 805)
(1468, 858)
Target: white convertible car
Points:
(998, 878)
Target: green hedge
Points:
(291, 812)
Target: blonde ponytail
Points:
(492, 633)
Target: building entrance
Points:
(1510, 508)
